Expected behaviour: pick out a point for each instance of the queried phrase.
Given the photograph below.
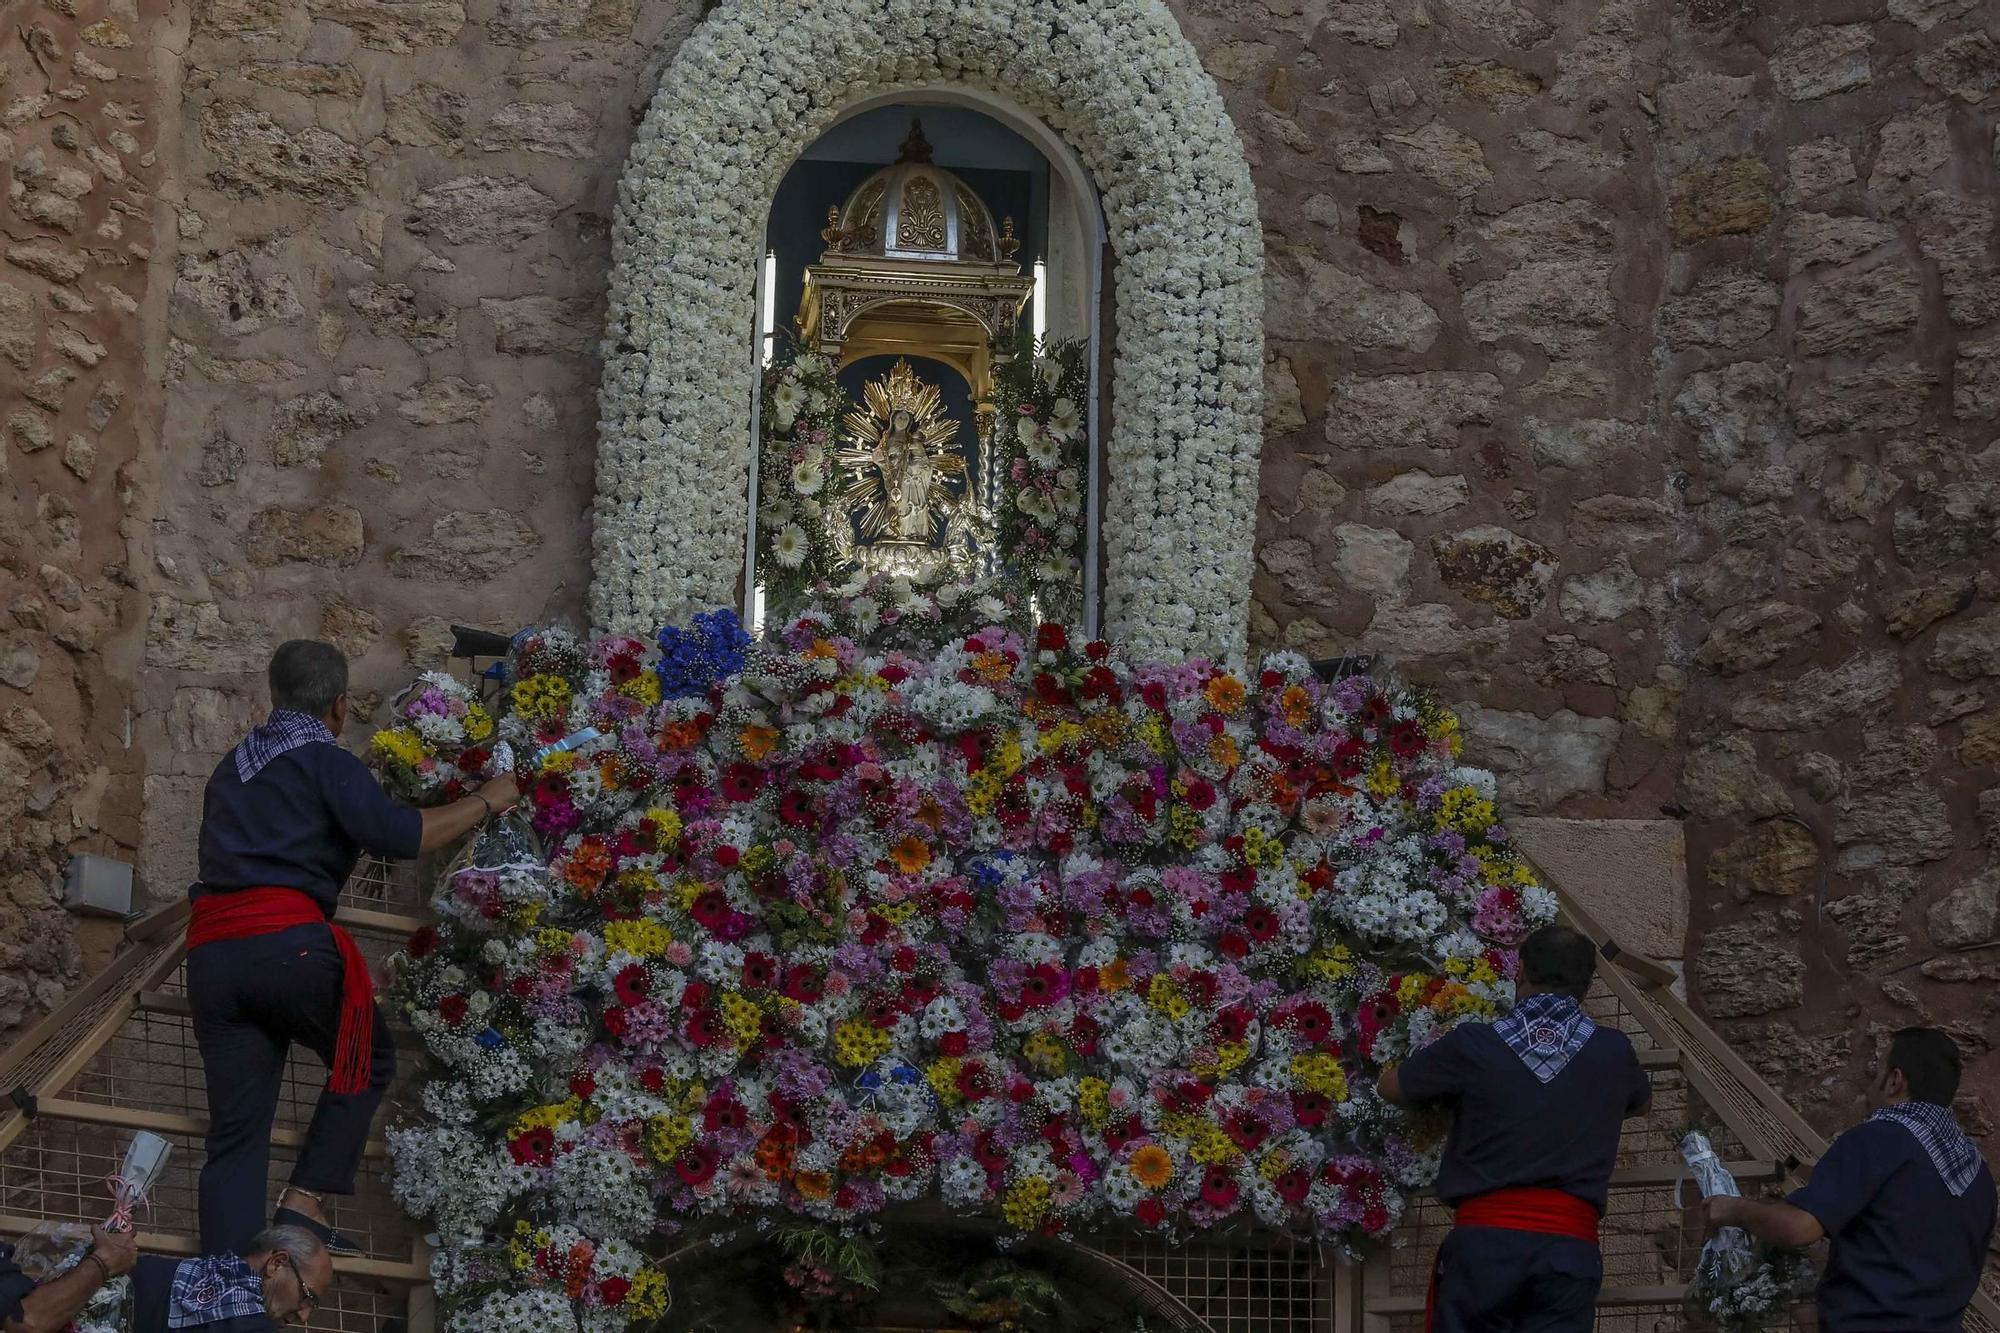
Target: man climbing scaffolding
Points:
(1539, 1099)
(285, 817)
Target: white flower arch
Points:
(748, 91)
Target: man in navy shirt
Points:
(1905, 1197)
(1538, 1100)
(30, 1307)
(283, 1274)
(285, 817)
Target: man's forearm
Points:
(444, 823)
(1769, 1220)
(51, 1306)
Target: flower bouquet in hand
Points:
(440, 747)
(54, 1248)
(1738, 1285)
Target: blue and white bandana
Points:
(1952, 1151)
(1546, 1031)
(283, 730)
(213, 1288)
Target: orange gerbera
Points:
(1223, 751)
(1297, 705)
(813, 1184)
(679, 735)
(910, 855)
(757, 742)
(822, 648)
(1115, 975)
(1225, 693)
(1152, 1166)
(991, 667)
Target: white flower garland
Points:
(748, 91)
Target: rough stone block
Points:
(1631, 874)
(1541, 761)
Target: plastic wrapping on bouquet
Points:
(1728, 1251)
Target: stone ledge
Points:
(1631, 874)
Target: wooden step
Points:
(158, 1242)
(1659, 1057)
(164, 1122)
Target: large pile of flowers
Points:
(1006, 923)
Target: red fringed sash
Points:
(245, 913)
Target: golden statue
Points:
(899, 460)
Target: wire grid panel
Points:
(363, 1305)
(56, 1172)
(1242, 1284)
(387, 886)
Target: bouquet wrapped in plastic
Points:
(53, 1248)
(1738, 1285)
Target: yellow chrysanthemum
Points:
(1093, 1098)
(401, 744)
(644, 687)
(667, 1137)
(546, 1117)
(1026, 1202)
(1320, 1071)
(541, 697)
(943, 1078)
(646, 1299)
(643, 938)
(666, 823)
(1045, 1053)
(1465, 810)
(478, 723)
(743, 1019)
(859, 1044)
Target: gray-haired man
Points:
(286, 815)
(279, 1280)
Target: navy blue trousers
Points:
(252, 999)
(1494, 1281)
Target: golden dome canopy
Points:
(915, 210)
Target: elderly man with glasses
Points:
(278, 1282)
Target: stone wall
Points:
(1632, 380)
(79, 141)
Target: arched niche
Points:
(1109, 87)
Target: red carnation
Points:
(424, 943)
(452, 1009)
(1051, 638)
(1150, 1212)
(613, 1290)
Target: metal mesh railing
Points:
(1247, 1284)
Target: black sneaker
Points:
(335, 1242)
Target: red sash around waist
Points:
(1542, 1211)
(244, 913)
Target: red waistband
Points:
(245, 913)
(1546, 1212)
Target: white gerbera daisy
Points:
(1063, 417)
(788, 548)
(808, 476)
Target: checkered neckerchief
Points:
(212, 1288)
(1951, 1151)
(1546, 1031)
(283, 730)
